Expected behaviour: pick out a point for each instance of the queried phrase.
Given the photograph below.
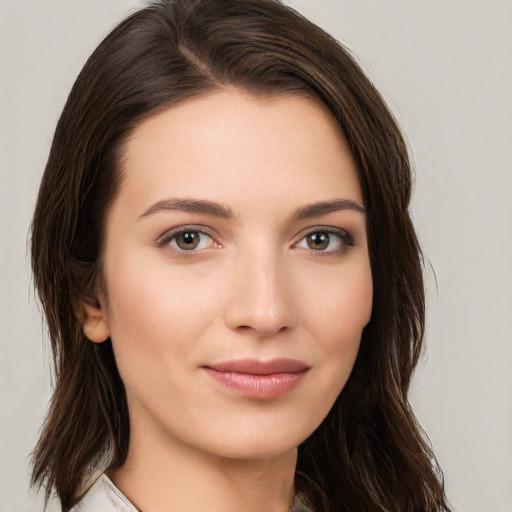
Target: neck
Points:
(180, 479)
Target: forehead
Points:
(231, 146)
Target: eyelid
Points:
(164, 239)
(346, 238)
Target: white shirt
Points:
(104, 496)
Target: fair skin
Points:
(238, 234)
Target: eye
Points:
(186, 239)
(326, 240)
(190, 240)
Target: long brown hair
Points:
(369, 454)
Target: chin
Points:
(258, 443)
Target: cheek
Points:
(154, 313)
(337, 317)
(352, 309)
(342, 306)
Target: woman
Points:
(230, 276)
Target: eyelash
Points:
(169, 236)
(344, 238)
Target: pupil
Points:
(318, 241)
(188, 240)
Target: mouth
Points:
(259, 379)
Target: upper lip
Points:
(258, 367)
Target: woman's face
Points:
(237, 277)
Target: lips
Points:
(256, 367)
(259, 379)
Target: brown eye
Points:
(318, 241)
(188, 240)
(327, 241)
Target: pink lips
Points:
(259, 379)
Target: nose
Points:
(261, 298)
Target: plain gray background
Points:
(444, 67)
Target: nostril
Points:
(262, 331)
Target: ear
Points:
(95, 323)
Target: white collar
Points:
(104, 496)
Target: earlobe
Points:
(95, 323)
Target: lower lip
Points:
(257, 386)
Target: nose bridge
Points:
(261, 297)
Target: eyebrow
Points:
(190, 205)
(325, 207)
(225, 212)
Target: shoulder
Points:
(104, 496)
